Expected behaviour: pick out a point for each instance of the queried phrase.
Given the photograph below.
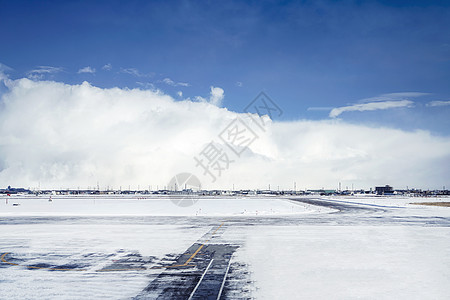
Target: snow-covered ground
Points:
(286, 249)
(402, 201)
(142, 206)
(91, 246)
(346, 262)
(398, 205)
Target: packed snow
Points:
(375, 248)
(148, 206)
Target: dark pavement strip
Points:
(199, 273)
(346, 207)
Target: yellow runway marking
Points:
(194, 254)
(9, 263)
(201, 246)
(186, 264)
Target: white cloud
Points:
(146, 85)
(170, 82)
(86, 70)
(78, 135)
(370, 106)
(41, 71)
(107, 67)
(180, 94)
(4, 68)
(384, 101)
(393, 97)
(215, 97)
(131, 71)
(438, 103)
(319, 108)
(135, 72)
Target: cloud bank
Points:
(67, 136)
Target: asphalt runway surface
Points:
(199, 273)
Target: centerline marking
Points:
(201, 278)
(194, 254)
(224, 278)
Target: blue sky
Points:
(309, 56)
(363, 86)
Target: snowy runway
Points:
(304, 248)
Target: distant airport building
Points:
(322, 192)
(384, 190)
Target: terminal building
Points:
(384, 190)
